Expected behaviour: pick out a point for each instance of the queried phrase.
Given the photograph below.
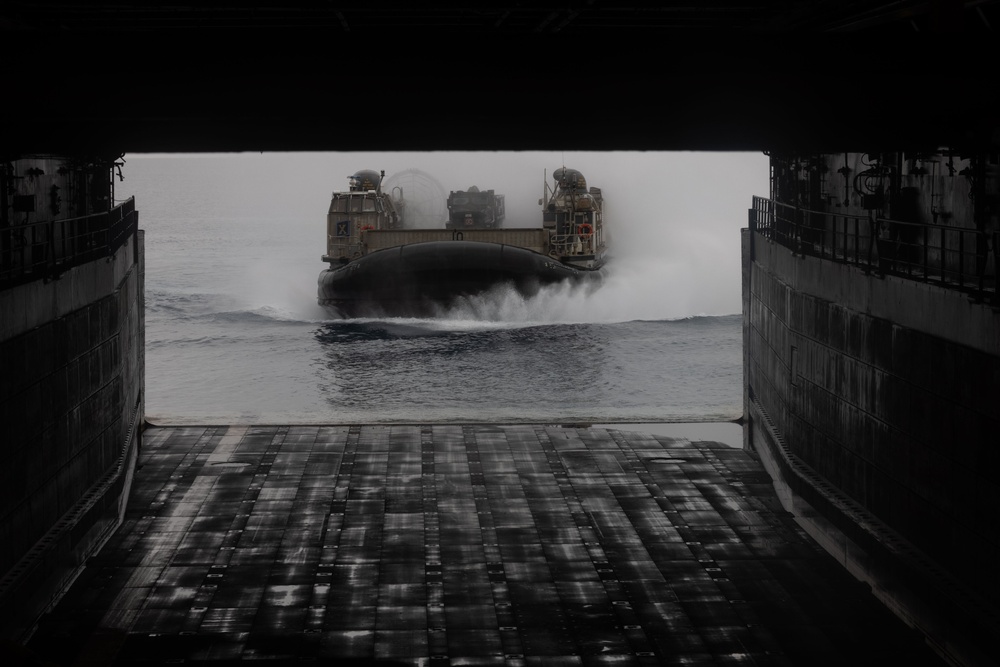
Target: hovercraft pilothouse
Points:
(574, 216)
(363, 208)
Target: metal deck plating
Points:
(462, 545)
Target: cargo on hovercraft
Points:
(378, 267)
(473, 209)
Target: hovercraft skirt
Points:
(414, 279)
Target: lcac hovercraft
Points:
(379, 267)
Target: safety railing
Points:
(955, 257)
(44, 250)
(575, 244)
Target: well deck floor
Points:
(462, 545)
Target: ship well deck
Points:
(462, 545)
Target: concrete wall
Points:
(879, 401)
(71, 392)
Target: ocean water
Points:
(234, 333)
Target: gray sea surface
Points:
(234, 333)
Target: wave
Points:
(633, 291)
(616, 300)
(489, 333)
(623, 296)
(264, 314)
(207, 307)
(399, 328)
(174, 303)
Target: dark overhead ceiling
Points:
(697, 75)
(463, 16)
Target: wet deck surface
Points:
(462, 545)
